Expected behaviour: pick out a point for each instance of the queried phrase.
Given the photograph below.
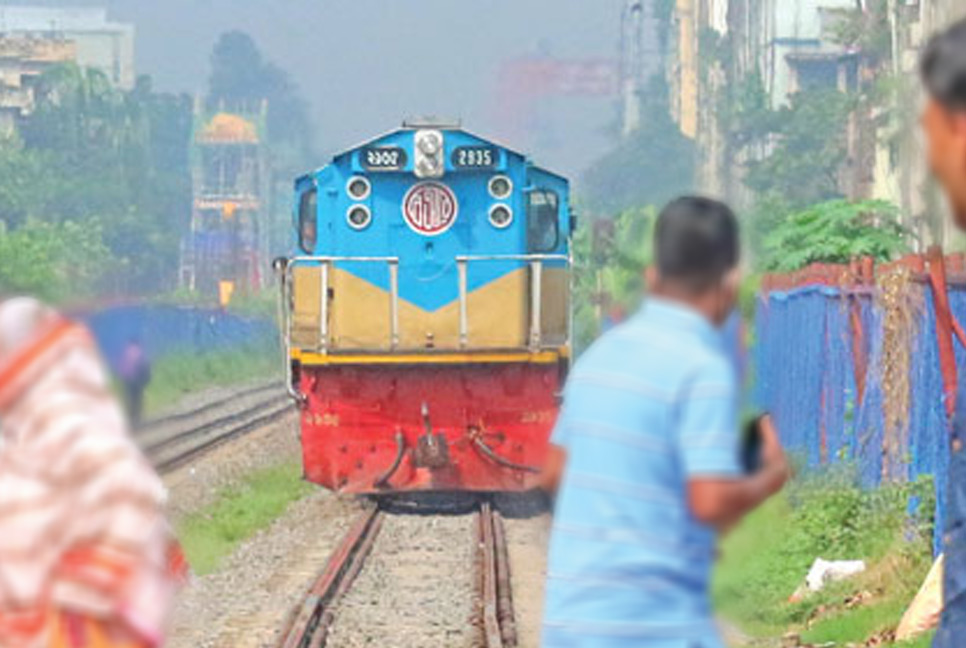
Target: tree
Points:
(809, 148)
(118, 161)
(53, 261)
(241, 79)
(609, 258)
(653, 165)
(835, 232)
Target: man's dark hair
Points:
(943, 67)
(696, 242)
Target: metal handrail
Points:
(324, 263)
(535, 262)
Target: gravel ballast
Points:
(417, 587)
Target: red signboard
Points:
(430, 208)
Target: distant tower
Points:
(226, 250)
(633, 20)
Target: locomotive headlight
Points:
(358, 188)
(428, 150)
(430, 143)
(358, 217)
(500, 187)
(501, 216)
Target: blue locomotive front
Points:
(428, 313)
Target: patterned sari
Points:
(86, 557)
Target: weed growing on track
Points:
(179, 374)
(766, 559)
(213, 533)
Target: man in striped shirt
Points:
(646, 454)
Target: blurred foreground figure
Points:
(86, 558)
(647, 454)
(135, 373)
(944, 122)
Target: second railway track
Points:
(175, 440)
(410, 581)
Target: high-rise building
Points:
(99, 42)
(22, 60)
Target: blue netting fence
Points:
(847, 360)
(164, 330)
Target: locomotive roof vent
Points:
(439, 123)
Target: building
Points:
(799, 48)
(22, 60)
(786, 46)
(100, 43)
(901, 175)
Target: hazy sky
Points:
(365, 64)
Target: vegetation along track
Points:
(411, 580)
(174, 440)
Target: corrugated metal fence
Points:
(858, 364)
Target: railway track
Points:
(173, 441)
(326, 612)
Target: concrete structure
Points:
(22, 60)
(227, 247)
(901, 176)
(100, 43)
(799, 48)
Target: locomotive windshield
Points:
(543, 230)
(308, 226)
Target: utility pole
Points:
(632, 65)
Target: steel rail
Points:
(178, 417)
(496, 603)
(229, 419)
(309, 625)
(196, 450)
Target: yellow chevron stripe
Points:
(538, 357)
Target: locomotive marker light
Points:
(359, 217)
(500, 216)
(428, 151)
(500, 187)
(358, 188)
(430, 208)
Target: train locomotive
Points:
(427, 313)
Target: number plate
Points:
(383, 158)
(475, 157)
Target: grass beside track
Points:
(767, 557)
(179, 374)
(211, 534)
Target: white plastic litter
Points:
(824, 572)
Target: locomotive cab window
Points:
(308, 221)
(543, 221)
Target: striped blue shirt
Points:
(651, 404)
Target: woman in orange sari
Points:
(86, 557)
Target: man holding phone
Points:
(647, 457)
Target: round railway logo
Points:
(430, 208)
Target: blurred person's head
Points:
(25, 326)
(944, 117)
(696, 253)
(22, 320)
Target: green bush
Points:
(766, 559)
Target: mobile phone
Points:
(751, 445)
